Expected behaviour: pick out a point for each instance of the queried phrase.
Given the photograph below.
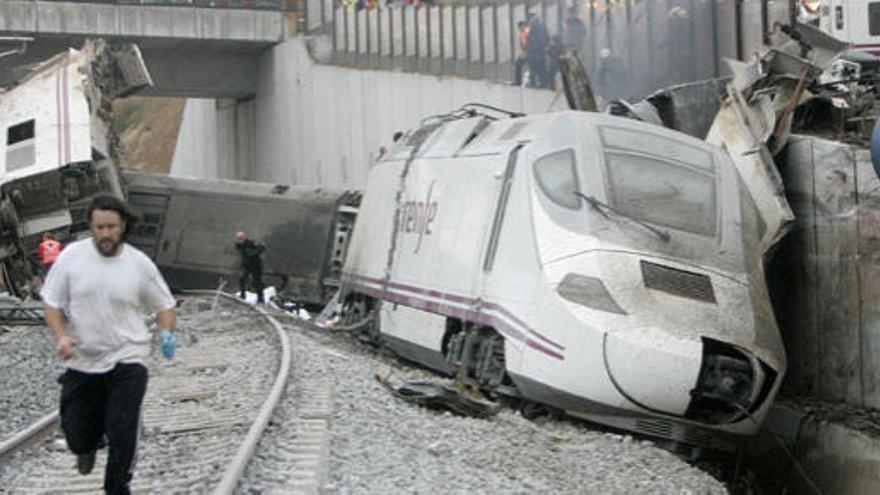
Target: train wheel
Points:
(489, 366)
(476, 355)
(534, 410)
(360, 314)
(9, 280)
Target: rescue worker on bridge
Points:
(251, 265)
(48, 250)
(95, 299)
(520, 61)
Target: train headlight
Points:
(732, 383)
(727, 379)
(588, 291)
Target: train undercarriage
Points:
(473, 357)
(474, 360)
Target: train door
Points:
(832, 19)
(444, 216)
(443, 212)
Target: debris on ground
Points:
(441, 396)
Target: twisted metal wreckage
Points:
(61, 150)
(519, 327)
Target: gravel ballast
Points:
(379, 443)
(28, 372)
(382, 444)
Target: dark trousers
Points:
(518, 64)
(97, 404)
(537, 72)
(255, 274)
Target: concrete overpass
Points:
(191, 51)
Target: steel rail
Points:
(245, 452)
(28, 434)
(248, 447)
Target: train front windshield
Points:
(653, 179)
(661, 181)
(658, 191)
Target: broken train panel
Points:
(809, 106)
(599, 265)
(187, 227)
(59, 148)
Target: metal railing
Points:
(281, 5)
(629, 47)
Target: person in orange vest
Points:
(49, 250)
(520, 59)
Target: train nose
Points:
(707, 381)
(733, 384)
(653, 369)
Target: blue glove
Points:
(169, 343)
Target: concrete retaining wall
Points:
(322, 125)
(826, 276)
(821, 456)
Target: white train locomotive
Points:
(599, 265)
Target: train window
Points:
(20, 132)
(557, 177)
(874, 18)
(662, 192)
(627, 139)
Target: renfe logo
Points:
(416, 217)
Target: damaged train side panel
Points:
(187, 226)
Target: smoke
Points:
(635, 48)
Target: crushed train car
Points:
(187, 226)
(59, 148)
(602, 266)
(610, 268)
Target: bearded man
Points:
(95, 299)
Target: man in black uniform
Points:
(251, 264)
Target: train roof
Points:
(224, 187)
(484, 135)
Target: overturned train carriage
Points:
(188, 227)
(602, 266)
(59, 149)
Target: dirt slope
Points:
(148, 127)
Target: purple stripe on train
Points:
(454, 311)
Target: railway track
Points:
(203, 416)
(335, 429)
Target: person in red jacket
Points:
(49, 250)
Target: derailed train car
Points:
(59, 149)
(188, 225)
(606, 267)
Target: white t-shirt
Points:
(105, 300)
